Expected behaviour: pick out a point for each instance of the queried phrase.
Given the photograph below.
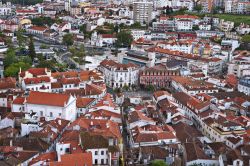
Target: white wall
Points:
(6, 123)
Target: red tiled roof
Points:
(160, 93)
(26, 11)
(104, 114)
(44, 98)
(107, 36)
(80, 159)
(34, 72)
(75, 81)
(38, 28)
(58, 123)
(234, 140)
(8, 149)
(104, 127)
(110, 63)
(36, 80)
(44, 158)
(173, 53)
(83, 102)
(137, 116)
(186, 17)
(152, 137)
(107, 100)
(19, 100)
(7, 83)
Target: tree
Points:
(26, 59)
(13, 69)
(68, 39)
(20, 38)
(125, 88)
(124, 38)
(41, 21)
(136, 25)
(8, 42)
(43, 46)
(198, 8)
(196, 2)
(26, 2)
(78, 52)
(32, 52)
(245, 39)
(158, 163)
(167, 10)
(10, 57)
(150, 88)
(133, 86)
(81, 52)
(45, 64)
(83, 28)
(195, 27)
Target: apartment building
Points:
(118, 75)
(142, 11)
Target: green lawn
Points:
(237, 19)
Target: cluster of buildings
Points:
(179, 93)
(58, 118)
(203, 128)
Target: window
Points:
(51, 114)
(41, 113)
(102, 161)
(96, 152)
(96, 161)
(102, 152)
(60, 114)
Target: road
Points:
(66, 57)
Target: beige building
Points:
(75, 10)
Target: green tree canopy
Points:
(32, 52)
(10, 57)
(198, 8)
(136, 25)
(13, 69)
(41, 21)
(158, 163)
(245, 39)
(124, 38)
(150, 88)
(20, 38)
(22, 2)
(68, 39)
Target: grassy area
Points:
(237, 19)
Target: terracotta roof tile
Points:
(44, 158)
(36, 80)
(80, 159)
(44, 98)
(83, 102)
